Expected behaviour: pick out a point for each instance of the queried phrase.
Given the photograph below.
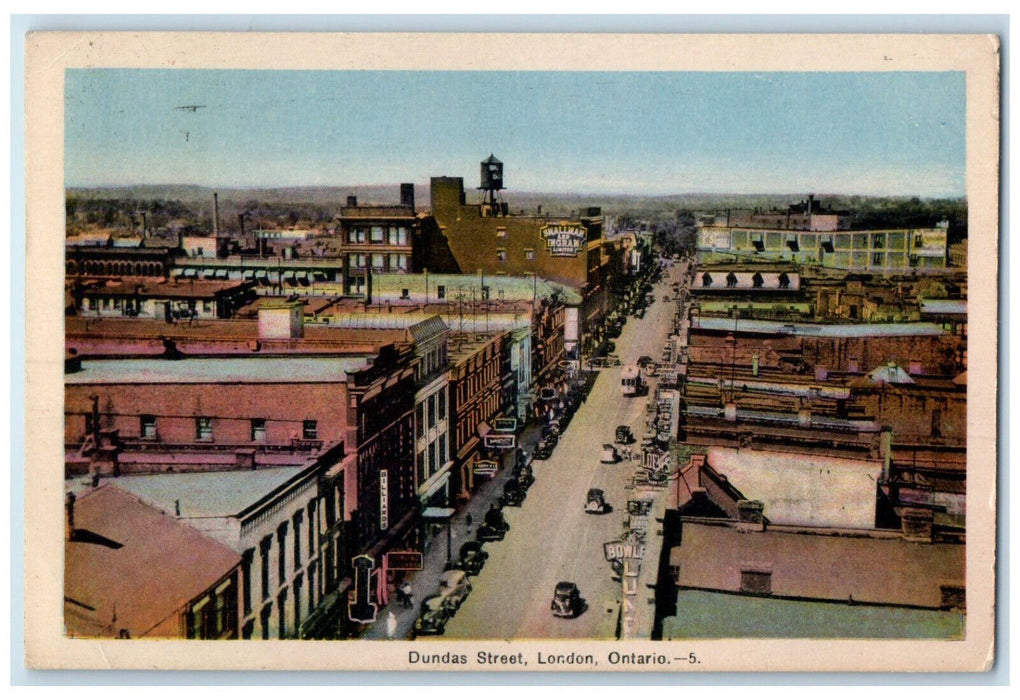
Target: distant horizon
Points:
(527, 193)
(888, 134)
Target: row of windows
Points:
(204, 428)
(393, 235)
(429, 412)
(378, 261)
(529, 254)
(841, 241)
(432, 458)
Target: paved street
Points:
(551, 538)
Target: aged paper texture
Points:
(523, 612)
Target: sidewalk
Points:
(425, 582)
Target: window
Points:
(501, 232)
(258, 430)
(377, 262)
(758, 281)
(420, 422)
(441, 291)
(405, 293)
(529, 254)
(356, 235)
(310, 430)
(377, 234)
(485, 293)
(706, 280)
(918, 241)
(731, 280)
(442, 406)
(501, 255)
(393, 235)
(432, 411)
(148, 427)
(281, 536)
(265, 616)
(442, 451)
(298, 518)
(878, 259)
(878, 240)
(246, 560)
(207, 307)
(265, 546)
(203, 428)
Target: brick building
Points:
(148, 297)
(131, 571)
(478, 238)
(377, 240)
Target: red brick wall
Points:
(231, 406)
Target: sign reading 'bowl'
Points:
(564, 240)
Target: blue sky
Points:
(887, 133)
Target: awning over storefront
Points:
(436, 482)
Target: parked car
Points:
(454, 587)
(609, 454)
(644, 361)
(472, 558)
(513, 493)
(566, 600)
(543, 450)
(595, 502)
(494, 527)
(435, 613)
(623, 435)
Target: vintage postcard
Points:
(511, 352)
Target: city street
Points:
(551, 537)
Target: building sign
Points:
(485, 467)
(621, 549)
(505, 425)
(384, 499)
(404, 561)
(361, 608)
(500, 442)
(564, 240)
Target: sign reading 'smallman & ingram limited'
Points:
(564, 240)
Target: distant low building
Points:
(169, 300)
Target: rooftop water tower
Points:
(492, 183)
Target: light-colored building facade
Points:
(879, 251)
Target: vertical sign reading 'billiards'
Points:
(384, 499)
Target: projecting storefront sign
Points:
(485, 467)
(404, 561)
(500, 442)
(384, 499)
(564, 240)
(619, 549)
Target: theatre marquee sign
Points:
(564, 240)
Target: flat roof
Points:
(812, 490)
(205, 494)
(240, 370)
(944, 306)
(842, 330)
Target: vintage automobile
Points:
(435, 613)
(595, 502)
(623, 435)
(472, 558)
(544, 449)
(566, 600)
(454, 587)
(644, 361)
(494, 527)
(609, 454)
(524, 475)
(513, 493)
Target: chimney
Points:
(216, 214)
(240, 220)
(69, 516)
(407, 195)
(810, 203)
(145, 225)
(352, 200)
(750, 516)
